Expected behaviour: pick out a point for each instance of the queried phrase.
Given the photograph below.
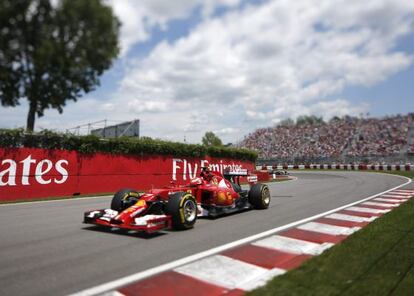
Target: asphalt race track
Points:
(46, 250)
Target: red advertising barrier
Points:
(262, 175)
(30, 173)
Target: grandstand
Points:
(341, 140)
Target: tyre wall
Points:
(31, 173)
(360, 167)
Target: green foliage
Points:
(309, 120)
(287, 122)
(210, 139)
(334, 119)
(53, 54)
(92, 144)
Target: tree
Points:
(309, 120)
(51, 54)
(210, 139)
(287, 122)
(334, 119)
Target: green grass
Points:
(409, 174)
(377, 260)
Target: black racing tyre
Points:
(182, 207)
(259, 196)
(123, 199)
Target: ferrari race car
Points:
(177, 207)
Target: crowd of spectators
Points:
(347, 136)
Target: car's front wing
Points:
(147, 223)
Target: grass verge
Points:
(377, 260)
(409, 174)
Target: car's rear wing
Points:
(234, 176)
(238, 173)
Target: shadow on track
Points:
(282, 196)
(124, 232)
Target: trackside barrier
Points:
(32, 173)
(360, 167)
(262, 175)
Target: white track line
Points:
(328, 229)
(367, 210)
(391, 200)
(171, 265)
(292, 245)
(395, 196)
(294, 178)
(262, 280)
(401, 193)
(405, 191)
(346, 217)
(380, 204)
(113, 293)
(226, 272)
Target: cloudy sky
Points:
(231, 66)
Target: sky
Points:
(231, 66)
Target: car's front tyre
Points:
(182, 207)
(123, 199)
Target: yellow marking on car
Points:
(183, 200)
(185, 197)
(141, 203)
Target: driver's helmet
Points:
(205, 170)
(196, 181)
(206, 166)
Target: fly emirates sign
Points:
(190, 170)
(29, 170)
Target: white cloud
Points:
(148, 106)
(251, 66)
(227, 131)
(338, 107)
(272, 61)
(138, 18)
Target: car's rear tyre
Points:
(123, 199)
(182, 207)
(259, 196)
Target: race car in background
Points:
(177, 207)
(279, 172)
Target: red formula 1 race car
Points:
(177, 207)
